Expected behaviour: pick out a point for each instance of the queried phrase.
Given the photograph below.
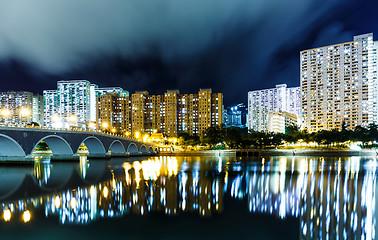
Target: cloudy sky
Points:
(231, 46)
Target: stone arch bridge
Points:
(19, 143)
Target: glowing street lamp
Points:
(72, 119)
(137, 135)
(25, 113)
(105, 125)
(92, 125)
(56, 121)
(5, 112)
(113, 130)
(145, 138)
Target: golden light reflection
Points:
(105, 192)
(7, 215)
(26, 216)
(57, 202)
(92, 191)
(73, 203)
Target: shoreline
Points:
(279, 152)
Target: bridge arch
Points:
(150, 150)
(9, 147)
(132, 148)
(57, 145)
(143, 149)
(117, 147)
(94, 145)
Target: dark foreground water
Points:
(191, 198)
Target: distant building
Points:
(339, 85)
(235, 116)
(278, 99)
(173, 113)
(20, 108)
(73, 103)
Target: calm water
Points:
(191, 198)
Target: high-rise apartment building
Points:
(20, 108)
(278, 99)
(174, 113)
(170, 112)
(339, 85)
(74, 103)
(114, 113)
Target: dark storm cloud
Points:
(230, 46)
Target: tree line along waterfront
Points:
(220, 137)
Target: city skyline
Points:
(222, 45)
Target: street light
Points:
(137, 135)
(5, 113)
(25, 113)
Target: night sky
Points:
(231, 46)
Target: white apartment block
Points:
(73, 103)
(20, 108)
(339, 85)
(278, 99)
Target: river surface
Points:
(207, 197)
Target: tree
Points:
(233, 137)
(213, 135)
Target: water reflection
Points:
(334, 198)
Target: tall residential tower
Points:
(339, 85)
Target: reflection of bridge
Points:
(18, 143)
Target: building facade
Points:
(74, 103)
(173, 113)
(278, 99)
(20, 108)
(114, 113)
(339, 85)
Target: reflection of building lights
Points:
(105, 192)
(73, 203)
(92, 191)
(57, 202)
(7, 215)
(26, 216)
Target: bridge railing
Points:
(71, 130)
